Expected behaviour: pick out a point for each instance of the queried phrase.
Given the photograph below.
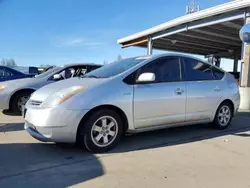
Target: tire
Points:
(15, 103)
(101, 131)
(223, 116)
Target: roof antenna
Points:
(192, 8)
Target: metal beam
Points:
(181, 45)
(216, 20)
(178, 49)
(200, 23)
(150, 46)
(223, 28)
(170, 48)
(218, 33)
(135, 43)
(205, 37)
(225, 54)
(232, 25)
(202, 43)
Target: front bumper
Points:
(35, 134)
(53, 124)
(4, 101)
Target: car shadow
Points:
(50, 165)
(46, 165)
(10, 127)
(10, 113)
(182, 135)
(242, 134)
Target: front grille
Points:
(35, 103)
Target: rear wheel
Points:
(19, 100)
(102, 131)
(223, 116)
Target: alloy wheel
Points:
(104, 131)
(224, 115)
(21, 102)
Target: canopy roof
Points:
(213, 31)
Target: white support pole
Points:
(241, 63)
(242, 56)
(150, 46)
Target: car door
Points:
(204, 89)
(163, 101)
(9, 75)
(2, 77)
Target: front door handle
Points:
(179, 91)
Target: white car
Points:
(15, 93)
(132, 95)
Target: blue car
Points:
(7, 73)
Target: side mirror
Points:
(146, 77)
(57, 77)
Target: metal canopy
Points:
(215, 33)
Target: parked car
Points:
(130, 96)
(14, 94)
(28, 70)
(7, 73)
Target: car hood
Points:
(19, 83)
(42, 93)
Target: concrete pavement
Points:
(194, 156)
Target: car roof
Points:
(80, 64)
(155, 56)
(3, 66)
(168, 54)
(12, 69)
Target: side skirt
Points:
(151, 128)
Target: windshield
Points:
(114, 68)
(50, 71)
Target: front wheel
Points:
(223, 116)
(19, 101)
(102, 131)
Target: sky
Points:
(35, 32)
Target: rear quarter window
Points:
(218, 74)
(196, 70)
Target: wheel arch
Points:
(19, 91)
(228, 101)
(107, 106)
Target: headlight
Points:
(61, 96)
(2, 87)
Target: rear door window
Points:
(196, 70)
(91, 68)
(1, 72)
(7, 73)
(218, 74)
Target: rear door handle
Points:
(217, 88)
(179, 91)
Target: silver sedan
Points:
(130, 96)
(15, 93)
